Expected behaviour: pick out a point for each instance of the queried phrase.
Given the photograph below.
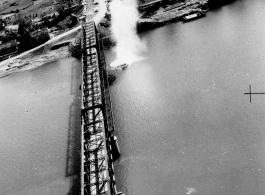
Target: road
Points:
(89, 9)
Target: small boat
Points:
(194, 16)
(122, 67)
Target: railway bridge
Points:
(98, 146)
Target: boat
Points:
(193, 16)
(122, 66)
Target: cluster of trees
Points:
(74, 48)
(63, 4)
(69, 22)
(28, 34)
(8, 36)
(2, 24)
(26, 27)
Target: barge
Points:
(123, 66)
(193, 16)
(120, 67)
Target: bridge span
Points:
(98, 146)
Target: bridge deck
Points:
(97, 174)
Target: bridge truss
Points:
(97, 174)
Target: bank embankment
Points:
(153, 17)
(39, 55)
(156, 14)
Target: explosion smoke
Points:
(101, 12)
(124, 16)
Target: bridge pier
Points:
(115, 147)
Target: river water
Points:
(40, 130)
(183, 122)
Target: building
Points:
(13, 28)
(8, 18)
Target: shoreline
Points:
(157, 16)
(38, 55)
(170, 13)
(153, 17)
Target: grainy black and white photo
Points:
(132, 97)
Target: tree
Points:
(141, 2)
(24, 28)
(2, 24)
(63, 4)
(47, 23)
(8, 36)
(74, 48)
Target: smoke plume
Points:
(124, 16)
(101, 12)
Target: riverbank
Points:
(38, 55)
(156, 14)
(169, 12)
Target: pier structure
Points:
(97, 171)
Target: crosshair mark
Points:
(250, 93)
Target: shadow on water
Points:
(214, 4)
(73, 159)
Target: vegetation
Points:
(74, 48)
(111, 78)
(33, 23)
(8, 47)
(63, 4)
(69, 22)
(2, 23)
(28, 35)
(13, 6)
(7, 36)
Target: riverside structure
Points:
(98, 146)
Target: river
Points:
(40, 130)
(183, 122)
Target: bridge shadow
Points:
(73, 158)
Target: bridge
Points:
(98, 146)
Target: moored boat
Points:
(193, 16)
(122, 67)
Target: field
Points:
(44, 6)
(5, 8)
(27, 5)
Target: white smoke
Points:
(124, 16)
(101, 11)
